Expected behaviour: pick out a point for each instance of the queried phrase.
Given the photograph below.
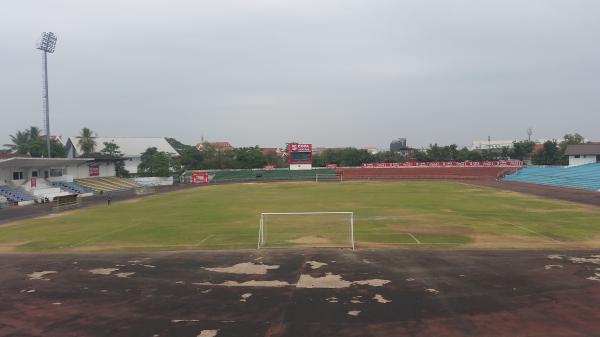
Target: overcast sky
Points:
(331, 73)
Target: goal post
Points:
(306, 229)
(328, 177)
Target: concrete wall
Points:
(300, 166)
(583, 159)
(154, 181)
(107, 169)
(131, 164)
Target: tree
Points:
(155, 164)
(570, 139)
(86, 142)
(388, 157)
(111, 149)
(522, 149)
(190, 158)
(248, 157)
(549, 155)
(30, 141)
(343, 157)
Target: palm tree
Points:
(19, 140)
(34, 133)
(86, 142)
(25, 141)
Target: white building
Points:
(491, 144)
(371, 149)
(26, 179)
(580, 154)
(130, 147)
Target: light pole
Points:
(46, 44)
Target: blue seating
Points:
(72, 187)
(15, 194)
(583, 176)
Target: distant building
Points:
(272, 150)
(580, 154)
(491, 144)
(8, 155)
(318, 150)
(398, 145)
(53, 138)
(130, 147)
(219, 146)
(529, 157)
(371, 150)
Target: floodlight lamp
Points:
(47, 42)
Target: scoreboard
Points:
(300, 156)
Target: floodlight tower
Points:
(46, 44)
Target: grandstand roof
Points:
(129, 146)
(40, 162)
(585, 149)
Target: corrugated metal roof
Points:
(130, 146)
(583, 149)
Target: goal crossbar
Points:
(325, 176)
(261, 235)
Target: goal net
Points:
(325, 178)
(306, 229)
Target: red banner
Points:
(331, 165)
(509, 163)
(199, 177)
(269, 167)
(300, 148)
(94, 170)
(33, 183)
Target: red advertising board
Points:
(199, 177)
(33, 183)
(507, 163)
(269, 167)
(331, 165)
(94, 170)
(300, 147)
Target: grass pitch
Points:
(410, 214)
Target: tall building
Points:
(398, 145)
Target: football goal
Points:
(326, 178)
(306, 229)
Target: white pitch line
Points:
(206, 238)
(414, 238)
(534, 232)
(103, 235)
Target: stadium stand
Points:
(266, 175)
(425, 173)
(72, 187)
(15, 194)
(583, 176)
(106, 184)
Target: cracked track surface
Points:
(428, 293)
